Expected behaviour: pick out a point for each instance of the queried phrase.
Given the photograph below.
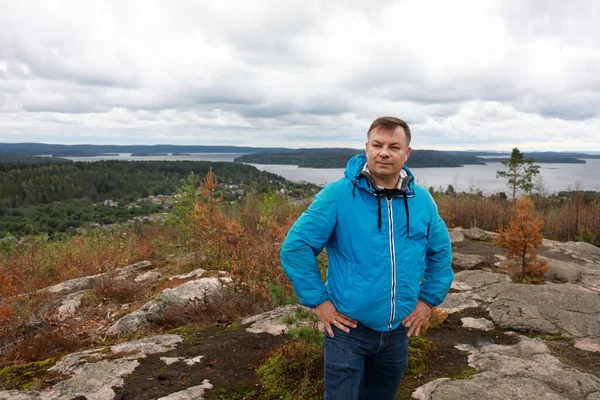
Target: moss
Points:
(466, 373)
(235, 390)
(185, 332)
(294, 371)
(418, 354)
(31, 376)
(545, 337)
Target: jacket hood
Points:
(355, 166)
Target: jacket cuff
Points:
(426, 302)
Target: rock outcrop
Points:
(525, 371)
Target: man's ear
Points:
(366, 146)
(408, 149)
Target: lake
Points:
(555, 177)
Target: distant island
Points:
(337, 158)
(305, 158)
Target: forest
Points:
(47, 197)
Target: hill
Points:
(337, 158)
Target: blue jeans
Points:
(364, 364)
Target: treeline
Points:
(45, 197)
(86, 150)
(567, 216)
(337, 158)
(25, 158)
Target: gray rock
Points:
(184, 295)
(148, 276)
(129, 270)
(94, 373)
(128, 324)
(562, 271)
(477, 234)
(582, 250)
(456, 302)
(70, 305)
(478, 279)
(73, 285)
(565, 309)
(456, 236)
(481, 324)
(191, 393)
(272, 322)
(197, 273)
(588, 344)
(466, 261)
(16, 395)
(525, 371)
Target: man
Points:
(389, 263)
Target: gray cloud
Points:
(300, 73)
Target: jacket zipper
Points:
(393, 260)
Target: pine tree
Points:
(520, 240)
(520, 174)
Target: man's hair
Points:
(390, 123)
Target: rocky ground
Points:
(501, 340)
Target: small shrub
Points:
(309, 334)
(123, 291)
(520, 240)
(230, 305)
(438, 316)
(46, 342)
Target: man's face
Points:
(387, 152)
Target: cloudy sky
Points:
(478, 74)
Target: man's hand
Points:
(418, 318)
(330, 316)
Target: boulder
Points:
(466, 261)
(148, 276)
(582, 250)
(73, 285)
(481, 324)
(456, 236)
(191, 393)
(185, 295)
(477, 234)
(273, 322)
(565, 309)
(478, 279)
(588, 344)
(70, 305)
(562, 271)
(526, 370)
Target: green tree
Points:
(520, 173)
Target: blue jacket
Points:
(386, 249)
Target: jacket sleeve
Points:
(438, 274)
(303, 243)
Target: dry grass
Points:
(112, 288)
(228, 306)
